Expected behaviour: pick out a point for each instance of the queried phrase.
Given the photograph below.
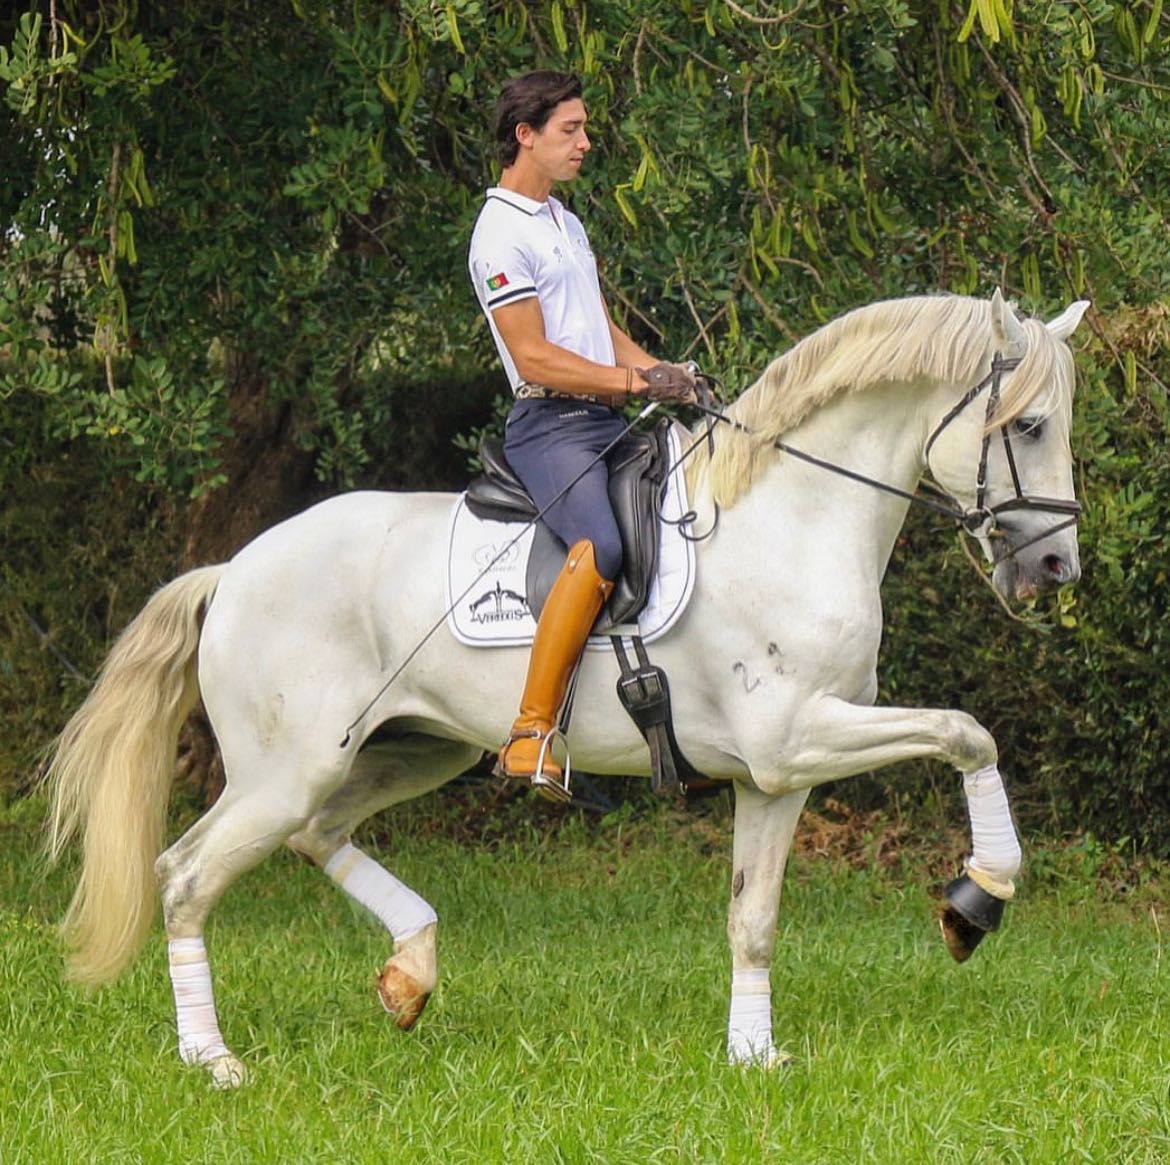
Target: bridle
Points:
(980, 517)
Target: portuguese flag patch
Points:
(495, 282)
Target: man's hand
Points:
(668, 382)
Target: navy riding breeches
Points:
(548, 443)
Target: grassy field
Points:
(582, 1006)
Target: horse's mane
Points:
(942, 337)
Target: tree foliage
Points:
(239, 228)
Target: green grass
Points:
(581, 1016)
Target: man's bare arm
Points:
(539, 360)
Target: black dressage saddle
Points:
(638, 465)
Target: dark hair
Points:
(530, 99)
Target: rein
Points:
(972, 519)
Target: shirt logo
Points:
(495, 282)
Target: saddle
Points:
(638, 465)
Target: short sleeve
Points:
(502, 274)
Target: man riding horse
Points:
(571, 368)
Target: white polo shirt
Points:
(522, 248)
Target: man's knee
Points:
(607, 551)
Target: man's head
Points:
(530, 100)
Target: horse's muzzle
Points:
(1028, 566)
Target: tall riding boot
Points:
(569, 613)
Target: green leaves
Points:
(130, 70)
(26, 73)
(994, 20)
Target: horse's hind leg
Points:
(382, 776)
(243, 827)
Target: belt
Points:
(527, 391)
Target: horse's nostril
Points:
(1054, 564)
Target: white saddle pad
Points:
(487, 562)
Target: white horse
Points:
(772, 664)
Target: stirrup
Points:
(546, 786)
(549, 787)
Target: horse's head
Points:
(1002, 451)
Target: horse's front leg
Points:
(838, 739)
(764, 826)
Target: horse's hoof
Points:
(970, 913)
(974, 903)
(778, 1059)
(402, 996)
(226, 1072)
(772, 1060)
(960, 936)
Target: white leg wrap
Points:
(401, 911)
(749, 1028)
(199, 1037)
(995, 849)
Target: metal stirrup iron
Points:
(547, 787)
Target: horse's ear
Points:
(1009, 332)
(1066, 323)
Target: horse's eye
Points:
(1030, 427)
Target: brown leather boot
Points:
(569, 613)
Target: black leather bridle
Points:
(982, 515)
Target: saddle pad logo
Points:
(497, 558)
(498, 605)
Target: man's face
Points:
(560, 146)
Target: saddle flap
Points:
(637, 470)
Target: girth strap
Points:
(645, 695)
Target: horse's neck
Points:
(878, 433)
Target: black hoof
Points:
(974, 903)
(970, 914)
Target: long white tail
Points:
(110, 776)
